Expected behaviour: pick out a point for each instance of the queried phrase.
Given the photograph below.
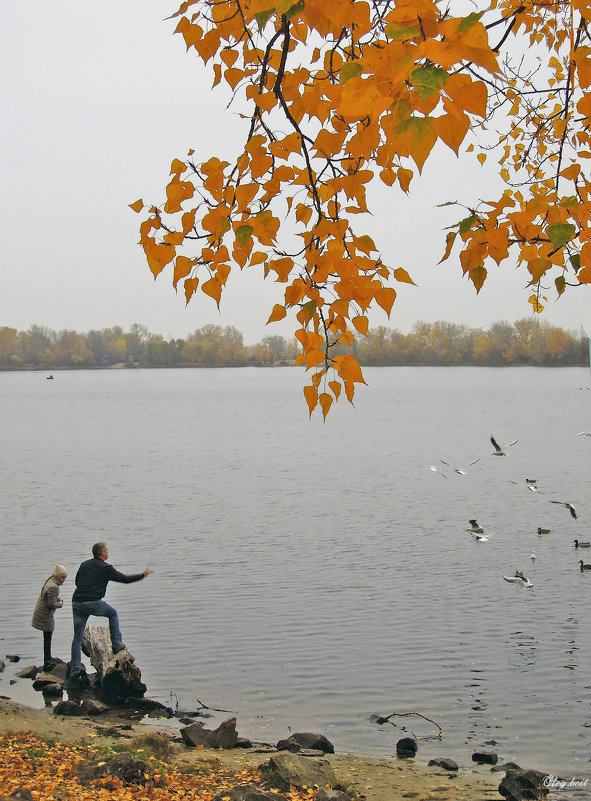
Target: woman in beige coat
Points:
(45, 607)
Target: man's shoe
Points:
(75, 682)
(120, 647)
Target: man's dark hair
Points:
(98, 548)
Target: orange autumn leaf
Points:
(182, 267)
(311, 395)
(361, 324)
(336, 388)
(213, 288)
(191, 285)
(278, 313)
(137, 206)
(348, 369)
(158, 255)
(325, 401)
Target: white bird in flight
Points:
(569, 506)
(498, 450)
(460, 470)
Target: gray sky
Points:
(97, 101)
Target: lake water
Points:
(306, 574)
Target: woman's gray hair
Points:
(59, 571)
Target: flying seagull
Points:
(584, 434)
(569, 506)
(460, 470)
(498, 450)
(436, 470)
(475, 527)
(520, 579)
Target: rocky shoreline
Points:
(104, 713)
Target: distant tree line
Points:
(528, 341)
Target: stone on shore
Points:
(518, 785)
(68, 708)
(406, 748)
(122, 766)
(307, 740)
(224, 736)
(285, 770)
(485, 757)
(444, 762)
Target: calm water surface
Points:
(309, 575)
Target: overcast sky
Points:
(97, 101)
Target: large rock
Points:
(444, 762)
(123, 766)
(406, 748)
(299, 740)
(247, 792)
(519, 785)
(225, 736)
(69, 708)
(92, 707)
(285, 770)
(118, 676)
(485, 757)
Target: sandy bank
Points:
(375, 779)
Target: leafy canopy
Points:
(338, 93)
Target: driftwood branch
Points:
(386, 719)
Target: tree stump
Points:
(118, 676)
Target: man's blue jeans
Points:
(81, 611)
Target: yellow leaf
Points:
(137, 206)
(182, 267)
(176, 192)
(311, 394)
(313, 356)
(177, 167)
(537, 306)
(336, 388)
(481, 157)
(401, 275)
(584, 275)
(158, 255)
(278, 313)
(191, 285)
(385, 298)
(361, 324)
(213, 288)
(325, 401)
(404, 178)
(348, 369)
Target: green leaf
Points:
(309, 310)
(244, 234)
(352, 69)
(560, 233)
(560, 284)
(263, 16)
(293, 10)
(467, 223)
(427, 80)
(575, 261)
(468, 21)
(396, 31)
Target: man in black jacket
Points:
(91, 585)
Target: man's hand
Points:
(147, 572)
